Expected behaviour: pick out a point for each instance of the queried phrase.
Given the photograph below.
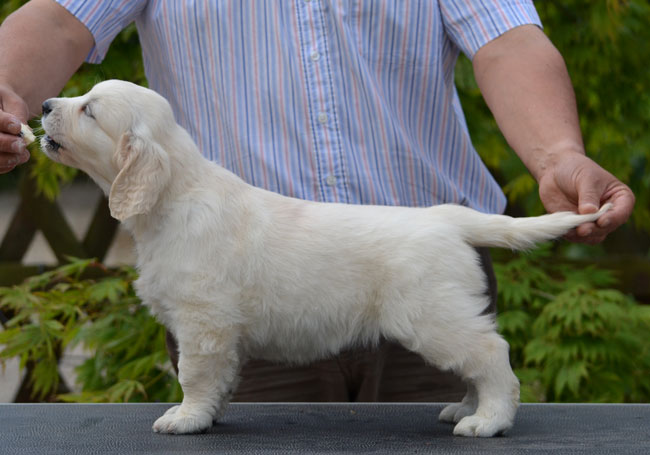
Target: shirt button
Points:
(322, 118)
(330, 180)
(315, 56)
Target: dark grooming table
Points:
(312, 428)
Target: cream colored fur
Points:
(236, 272)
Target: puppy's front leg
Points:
(207, 373)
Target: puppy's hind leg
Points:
(472, 348)
(207, 374)
(488, 368)
(456, 411)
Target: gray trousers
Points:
(386, 373)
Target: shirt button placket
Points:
(326, 140)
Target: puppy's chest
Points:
(162, 290)
(153, 296)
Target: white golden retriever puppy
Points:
(237, 272)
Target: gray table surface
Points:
(319, 428)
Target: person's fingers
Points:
(9, 123)
(11, 144)
(13, 112)
(586, 230)
(12, 152)
(590, 237)
(622, 200)
(13, 159)
(8, 161)
(590, 188)
(589, 232)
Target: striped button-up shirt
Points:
(330, 100)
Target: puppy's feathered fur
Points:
(237, 272)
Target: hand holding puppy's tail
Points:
(518, 233)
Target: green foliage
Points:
(9, 6)
(571, 340)
(64, 308)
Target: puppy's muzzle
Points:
(52, 145)
(48, 141)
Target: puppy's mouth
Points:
(50, 144)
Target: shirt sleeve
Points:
(471, 24)
(104, 19)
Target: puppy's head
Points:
(113, 133)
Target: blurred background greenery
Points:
(576, 316)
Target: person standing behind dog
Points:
(343, 102)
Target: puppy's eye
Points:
(86, 109)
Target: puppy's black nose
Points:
(46, 108)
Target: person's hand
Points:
(575, 183)
(13, 112)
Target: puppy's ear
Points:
(144, 173)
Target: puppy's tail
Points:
(480, 229)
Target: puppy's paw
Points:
(477, 426)
(178, 421)
(172, 410)
(455, 412)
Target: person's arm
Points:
(524, 81)
(41, 46)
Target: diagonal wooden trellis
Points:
(36, 213)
